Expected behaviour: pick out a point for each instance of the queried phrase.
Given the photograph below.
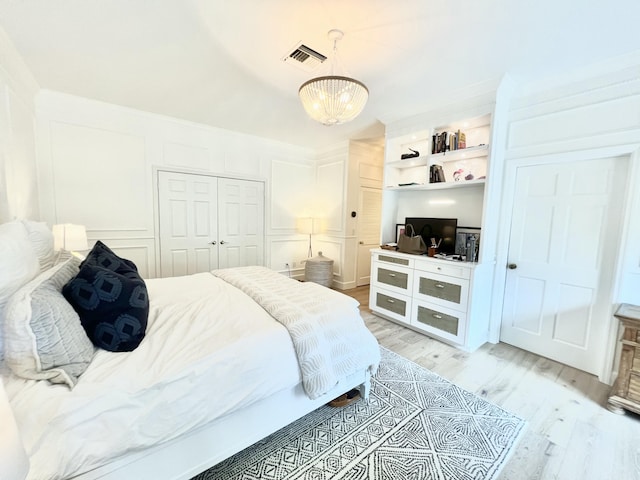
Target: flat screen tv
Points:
(442, 229)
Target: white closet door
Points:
(188, 223)
(558, 292)
(241, 222)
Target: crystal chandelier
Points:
(333, 99)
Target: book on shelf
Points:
(443, 141)
(462, 140)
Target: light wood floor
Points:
(570, 434)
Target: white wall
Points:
(96, 166)
(329, 206)
(18, 184)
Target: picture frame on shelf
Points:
(399, 231)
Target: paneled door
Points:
(188, 214)
(241, 222)
(560, 269)
(207, 222)
(369, 213)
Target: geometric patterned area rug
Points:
(416, 425)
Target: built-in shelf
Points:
(437, 158)
(439, 186)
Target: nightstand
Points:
(625, 394)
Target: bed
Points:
(227, 358)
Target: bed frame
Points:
(200, 449)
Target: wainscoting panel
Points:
(186, 156)
(331, 188)
(107, 173)
(140, 250)
(292, 194)
(587, 121)
(292, 251)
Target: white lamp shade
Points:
(305, 225)
(310, 225)
(70, 237)
(14, 464)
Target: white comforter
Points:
(327, 331)
(225, 352)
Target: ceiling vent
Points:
(304, 57)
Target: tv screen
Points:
(442, 229)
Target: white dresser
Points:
(447, 300)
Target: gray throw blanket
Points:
(328, 333)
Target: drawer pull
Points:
(439, 285)
(392, 274)
(390, 301)
(435, 315)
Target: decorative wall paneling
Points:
(18, 183)
(96, 164)
(140, 250)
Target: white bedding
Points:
(325, 326)
(222, 361)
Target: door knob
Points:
(512, 266)
(361, 242)
(213, 243)
(222, 242)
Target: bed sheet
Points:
(209, 350)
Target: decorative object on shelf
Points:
(433, 247)
(333, 99)
(409, 242)
(460, 173)
(471, 251)
(14, 463)
(414, 154)
(71, 238)
(319, 270)
(436, 174)
(399, 231)
(463, 236)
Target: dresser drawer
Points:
(393, 304)
(453, 269)
(442, 322)
(393, 277)
(447, 291)
(438, 289)
(393, 260)
(390, 304)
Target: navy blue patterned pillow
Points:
(102, 256)
(111, 300)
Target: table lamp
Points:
(70, 238)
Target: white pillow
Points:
(44, 339)
(18, 265)
(42, 241)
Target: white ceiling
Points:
(219, 62)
